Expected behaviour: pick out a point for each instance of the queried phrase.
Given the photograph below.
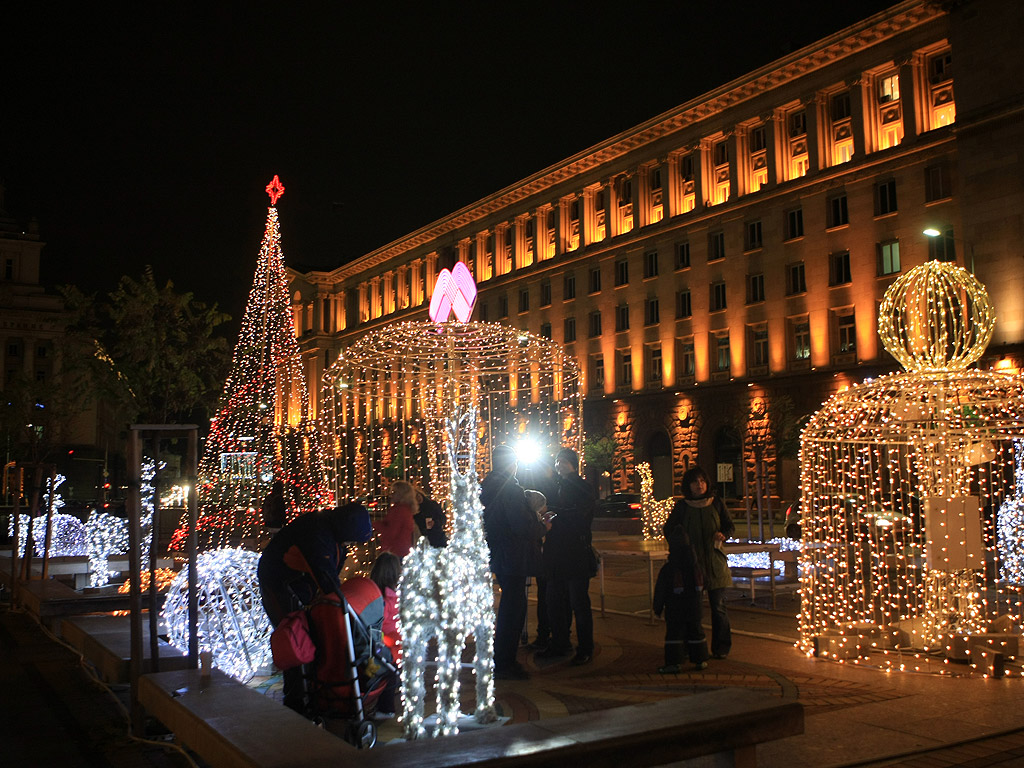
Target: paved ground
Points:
(53, 714)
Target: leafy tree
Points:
(599, 453)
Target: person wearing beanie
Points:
(706, 522)
(302, 561)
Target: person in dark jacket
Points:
(301, 562)
(678, 593)
(706, 522)
(431, 520)
(513, 534)
(273, 509)
(567, 562)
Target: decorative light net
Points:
(231, 623)
(905, 482)
(386, 398)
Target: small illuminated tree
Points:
(900, 478)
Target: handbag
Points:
(290, 642)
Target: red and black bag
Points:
(290, 642)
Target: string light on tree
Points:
(262, 431)
(900, 477)
(1010, 525)
(654, 511)
(232, 624)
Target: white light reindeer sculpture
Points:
(447, 594)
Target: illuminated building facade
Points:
(734, 249)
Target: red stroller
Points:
(352, 665)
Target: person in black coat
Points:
(568, 562)
(431, 519)
(302, 561)
(678, 592)
(513, 534)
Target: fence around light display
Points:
(386, 398)
(909, 492)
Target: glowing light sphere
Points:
(232, 623)
(900, 479)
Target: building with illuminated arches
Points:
(734, 249)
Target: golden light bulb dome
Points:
(936, 317)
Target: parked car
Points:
(891, 517)
(619, 505)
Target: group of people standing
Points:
(543, 535)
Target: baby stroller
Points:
(352, 665)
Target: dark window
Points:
(683, 308)
(482, 311)
(936, 183)
(569, 287)
(755, 288)
(759, 345)
(651, 264)
(595, 280)
(885, 197)
(622, 317)
(545, 330)
(837, 213)
(942, 247)
(716, 245)
(717, 296)
(795, 282)
(686, 167)
(721, 153)
(503, 306)
(839, 268)
(753, 235)
(651, 313)
(545, 293)
(621, 272)
(839, 105)
(595, 324)
(598, 371)
(655, 179)
(794, 223)
(8, 269)
(722, 357)
(758, 139)
(524, 300)
(889, 257)
(626, 371)
(687, 363)
(682, 255)
(654, 372)
(846, 327)
(798, 123)
(940, 67)
(570, 329)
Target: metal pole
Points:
(135, 570)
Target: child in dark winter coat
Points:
(678, 593)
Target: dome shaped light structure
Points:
(386, 398)
(901, 481)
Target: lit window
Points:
(940, 81)
(796, 136)
(801, 340)
(654, 369)
(689, 198)
(889, 257)
(654, 187)
(721, 179)
(842, 128)
(721, 357)
(890, 119)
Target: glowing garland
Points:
(1010, 525)
(655, 511)
(262, 431)
(67, 534)
(447, 594)
(232, 623)
(899, 477)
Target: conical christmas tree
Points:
(263, 432)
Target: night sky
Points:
(149, 139)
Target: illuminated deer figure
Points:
(654, 511)
(447, 594)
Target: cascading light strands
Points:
(386, 398)
(655, 511)
(1010, 525)
(232, 624)
(900, 480)
(263, 430)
